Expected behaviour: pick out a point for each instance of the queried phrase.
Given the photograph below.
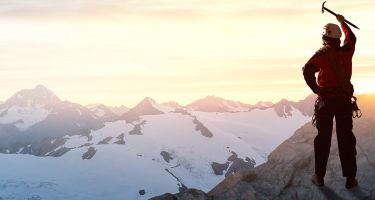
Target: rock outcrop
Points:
(199, 126)
(89, 153)
(191, 194)
(233, 165)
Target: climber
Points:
(333, 64)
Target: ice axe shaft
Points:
(333, 13)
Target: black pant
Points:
(341, 109)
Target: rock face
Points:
(287, 173)
(191, 194)
(236, 164)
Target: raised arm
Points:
(350, 38)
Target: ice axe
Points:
(333, 13)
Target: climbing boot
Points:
(351, 183)
(317, 180)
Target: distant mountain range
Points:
(149, 149)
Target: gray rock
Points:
(105, 140)
(142, 192)
(121, 139)
(166, 156)
(59, 152)
(89, 153)
(190, 194)
(136, 130)
(200, 127)
(181, 187)
(233, 165)
(239, 164)
(219, 168)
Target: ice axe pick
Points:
(333, 13)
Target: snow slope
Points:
(260, 129)
(120, 170)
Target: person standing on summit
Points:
(333, 63)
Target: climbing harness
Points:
(357, 113)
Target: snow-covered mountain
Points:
(263, 104)
(147, 106)
(119, 110)
(33, 121)
(150, 150)
(172, 104)
(217, 104)
(284, 107)
(103, 112)
(28, 107)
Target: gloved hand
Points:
(340, 18)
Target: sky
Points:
(117, 52)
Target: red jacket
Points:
(321, 62)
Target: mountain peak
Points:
(148, 100)
(41, 87)
(43, 91)
(147, 106)
(39, 95)
(213, 97)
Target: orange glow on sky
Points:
(117, 52)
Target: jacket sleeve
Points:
(350, 39)
(309, 71)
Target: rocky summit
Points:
(287, 173)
